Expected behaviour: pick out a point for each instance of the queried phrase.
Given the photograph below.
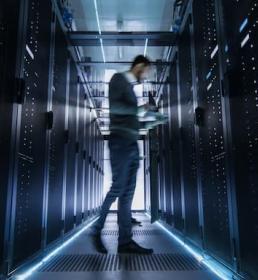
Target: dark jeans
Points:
(124, 157)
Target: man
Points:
(124, 155)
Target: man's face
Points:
(141, 72)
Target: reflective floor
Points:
(79, 261)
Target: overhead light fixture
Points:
(120, 25)
(34, 268)
(99, 29)
(221, 271)
(120, 52)
(146, 46)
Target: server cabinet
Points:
(9, 29)
(57, 137)
(4, 169)
(147, 174)
(90, 187)
(212, 140)
(98, 169)
(84, 193)
(80, 156)
(187, 135)
(161, 173)
(167, 155)
(153, 173)
(239, 23)
(93, 182)
(44, 122)
(71, 149)
(175, 117)
(31, 134)
(102, 170)
(91, 159)
(87, 157)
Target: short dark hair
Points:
(141, 59)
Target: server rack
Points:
(10, 19)
(57, 138)
(80, 160)
(31, 135)
(3, 193)
(71, 149)
(85, 161)
(239, 67)
(46, 113)
(167, 156)
(212, 147)
(187, 133)
(213, 133)
(175, 159)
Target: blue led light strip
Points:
(221, 271)
(34, 268)
(243, 25)
(208, 75)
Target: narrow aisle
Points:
(79, 261)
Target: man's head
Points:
(140, 67)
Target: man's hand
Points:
(146, 108)
(159, 119)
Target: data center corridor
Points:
(197, 185)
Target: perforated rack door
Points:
(86, 155)
(85, 162)
(70, 179)
(189, 172)
(161, 169)
(8, 45)
(94, 189)
(102, 169)
(3, 160)
(175, 146)
(32, 134)
(98, 168)
(6, 70)
(96, 165)
(80, 157)
(241, 27)
(89, 129)
(167, 155)
(147, 173)
(211, 138)
(100, 162)
(100, 159)
(57, 140)
(154, 182)
(92, 197)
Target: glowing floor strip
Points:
(34, 268)
(218, 269)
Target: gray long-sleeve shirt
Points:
(123, 107)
